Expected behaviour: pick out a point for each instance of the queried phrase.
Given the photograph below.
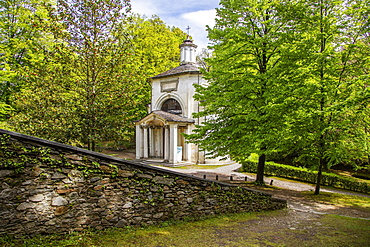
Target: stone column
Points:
(151, 141)
(139, 142)
(173, 143)
(166, 151)
(188, 150)
(146, 129)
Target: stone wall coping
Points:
(114, 159)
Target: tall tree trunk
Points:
(261, 169)
(319, 177)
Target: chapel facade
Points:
(159, 134)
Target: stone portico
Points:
(159, 136)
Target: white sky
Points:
(194, 13)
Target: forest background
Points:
(77, 72)
(289, 80)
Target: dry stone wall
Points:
(47, 187)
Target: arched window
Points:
(171, 106)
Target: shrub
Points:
(306, 175)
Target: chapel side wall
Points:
(48, 187)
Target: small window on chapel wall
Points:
(172, 106)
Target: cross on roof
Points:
(188, 28)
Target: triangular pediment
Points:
(161, 118)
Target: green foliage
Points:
(21, 28)
(344, 200)
(237, 101)
(87, 80)
(156, 45)
(16, 157)
(5, 110)
(327, 112)
(288, 77)
(241, 104)
(307, 175)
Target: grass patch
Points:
(343, 231)
(278, 228)
(169, 234)
(339, 199)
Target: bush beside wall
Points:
(305, 175)
(47, 187)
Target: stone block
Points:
(143, 175)
(158, 215)
(189, 200)
(67, 181)
(58, 175)
(8, 194)
(59, 201)
(163, 180)
(182, 182)
(73, 157)
(125, 174)
(6, 173)
(65, 191)
(127, 205)
(25, 206)
(94, 179)
(102, 203)
(36, 198)
(61, 210)
(122, 223)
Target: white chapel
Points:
(158, 135)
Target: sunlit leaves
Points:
(249, 38)
(289, 77)
(89, 77)
(21, 24)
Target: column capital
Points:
(144, 126)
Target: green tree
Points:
(156, 45)
(82, 85)
(288, 77)
(101, 57)
(155, 48)
(21, 26)
(79, 95)
(240, 102)
(48, 104)
(327, 89)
